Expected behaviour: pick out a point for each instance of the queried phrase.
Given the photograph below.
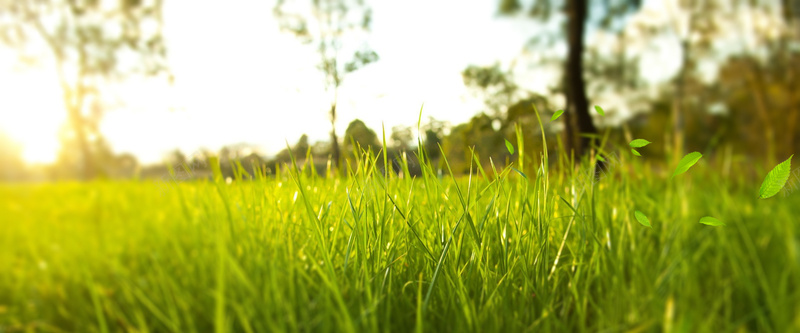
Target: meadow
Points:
(536, 247)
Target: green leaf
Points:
(708, 220)
(510, 147)
(686, 162)
(519, 172)
(599, 110)
(639, 143)
(557, 114)
(600, 158)
(635, 152)
(642, 219)
(776, 179)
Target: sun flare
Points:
(32, 113)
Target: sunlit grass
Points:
(528, 249)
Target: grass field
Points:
(497, 251)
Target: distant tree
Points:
(769, 66)
(479, 133)
(357, 132)
(401, 137)
(759, 95)
(302, 145)
(177, 158)
(87, 41)
(327, 24)
(695, 24)
(496, 86)
(577, 118)
(432, 137)
(321, 148)
(299, 150)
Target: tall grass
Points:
(528, 248)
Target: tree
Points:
(767, 73)
(327, 24)
(86, 40)
(577, 118)
(495, 84)
(357, 132)
(401, 137)
(433, 134)
(696, 25)
(299, 151)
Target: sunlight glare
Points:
(32, 112)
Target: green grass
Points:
(497, 251)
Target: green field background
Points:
(534, 252)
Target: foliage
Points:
(92, 44)
(331, 26)
(358, 136)
(776, 179)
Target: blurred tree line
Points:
(750, 102)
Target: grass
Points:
(511, 250)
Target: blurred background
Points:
(99, 89)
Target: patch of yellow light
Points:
(31, 110)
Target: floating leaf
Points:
(708, 220)
(599, 110)
(642, 219)
(510, 147)
(686, 162)
(776, 179)
(557, 114)
(639, 143)
(635, 152)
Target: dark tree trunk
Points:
(679, 105)
(578, 119)
(335, 152)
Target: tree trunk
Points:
(335, 152)
(678, 104)
(756, 84)
(73, 101)
(578, 119)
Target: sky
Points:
(238, 79)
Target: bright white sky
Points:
(238, 79)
